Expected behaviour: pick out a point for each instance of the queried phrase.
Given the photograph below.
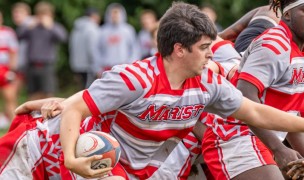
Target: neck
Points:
(174, 73)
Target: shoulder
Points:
(274, 41)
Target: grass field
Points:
(2, 132)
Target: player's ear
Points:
(286, 15)
(178, 49)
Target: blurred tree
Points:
(67, 11)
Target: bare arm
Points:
(296, 140)
(75, 109)
(282, 154)
(236, 28)
(35, 105)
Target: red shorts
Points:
(227, 159)
(4, 70)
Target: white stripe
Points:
(289, 90)
(217, 143)
(265, 18)
(172, 98)
(297, 60)
(135, 140)
(258, 151)
(293, 5)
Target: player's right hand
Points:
(51, 109)
(82, 167)
(296, 169)
(283, 156)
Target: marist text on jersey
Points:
(297, 76)
(164, 113)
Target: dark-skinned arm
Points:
(283, 155)
(236, 28)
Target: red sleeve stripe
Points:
(280, 35)
(278, 41)
(149, 66)
(127, 81)
(138, 77)
(144, 71)
(222, 71)
(219, 44)
(219, 79)
(209, 78)
(253, 80)
(275, 28)
(272, 48)
(90, 103)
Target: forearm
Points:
(35, 105)
(75, 109)
(268, 138)
(236, 28)
(296, 140)
(69, 132)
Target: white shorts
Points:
(227, 159)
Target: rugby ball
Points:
(98, 143)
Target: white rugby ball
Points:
(98, 143)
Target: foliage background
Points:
(68, 10)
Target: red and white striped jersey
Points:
(8, 43)
(225, 128)
(149, 112)
(274, 64)
(225, 54)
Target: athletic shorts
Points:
(41, 78)
(6, 76)
(227, 159)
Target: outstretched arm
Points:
(236, 28)
(36, 105)
(282, 154)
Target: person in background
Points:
(81, 45)
(148, 20)
(117, 41)
(211, 13)
(42, 36)
(21, 15)
(8, 64)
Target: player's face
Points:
(297, 22)
(196, 60)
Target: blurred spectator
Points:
(82, 40)
(153, 33)
(8, 62)
(148, 20)
(21, 14)
(117, 40)
(211, 13)
(42, 36)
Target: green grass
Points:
(2, 132)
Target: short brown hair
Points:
(183, 23)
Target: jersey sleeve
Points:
(112, 91)
(264, 62)
(225, 99)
